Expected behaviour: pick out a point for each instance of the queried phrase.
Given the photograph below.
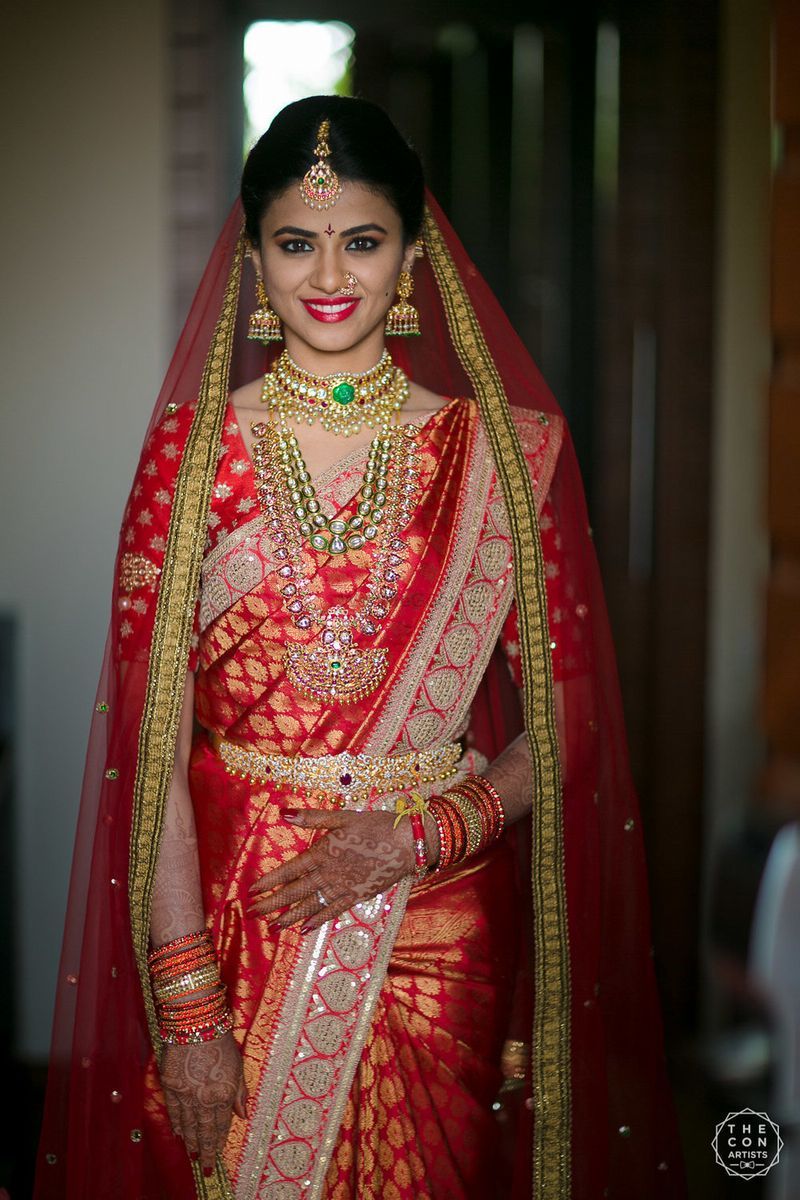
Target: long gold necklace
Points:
(342, 402)
(334, 534)
(335, 667)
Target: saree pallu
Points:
(371, 1049)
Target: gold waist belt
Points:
(353, 776)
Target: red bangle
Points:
(469, 817)
(176, 945)
(420, 845)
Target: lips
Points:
(330, 309)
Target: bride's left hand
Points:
(360, 855)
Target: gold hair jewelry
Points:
(320, 187)
(343, 402)
(265, 324)
(402, 319)
(349, 287)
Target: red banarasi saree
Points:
(372, 1047)
(390, 1021)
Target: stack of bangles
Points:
(191, 1001)
(468, 816)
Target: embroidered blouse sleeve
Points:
(565, 608)
(144, 537)
(565, 612)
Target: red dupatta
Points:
(602, 1115)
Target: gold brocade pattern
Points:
(411, 1127)
(170, 647)
(450, 654)
(551, 1052)
(410, 708)
(278, 1025)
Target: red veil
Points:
(601, 1121)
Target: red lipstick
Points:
(331, 308)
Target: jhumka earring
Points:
(265, 324)
(402, 319)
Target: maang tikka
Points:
(320, 187)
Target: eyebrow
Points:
(309, 233)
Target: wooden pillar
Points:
(781, 683)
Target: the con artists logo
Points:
(747, 1143)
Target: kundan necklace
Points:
(335, 534)
(334, 667)
(342, 402)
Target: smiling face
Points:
(305, 258)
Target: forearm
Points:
(511, 773)
(177, 904)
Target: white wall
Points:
(83, 337)
(742, 361)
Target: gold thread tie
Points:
(410, 806)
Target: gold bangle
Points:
(472, 820)
(185, 983)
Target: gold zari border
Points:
(551, 1050)
(170, 649)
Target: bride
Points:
(359, 905)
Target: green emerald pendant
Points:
(344, 393)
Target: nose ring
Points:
(349, 287)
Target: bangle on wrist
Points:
(190, 998)
(469, 817)
(415, 807)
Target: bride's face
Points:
(305, 257)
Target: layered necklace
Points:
(335, 667)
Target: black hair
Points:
(365, 148)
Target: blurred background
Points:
(627, 176)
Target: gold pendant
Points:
(333, 668)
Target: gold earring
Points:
(402, 319)
(265, 324)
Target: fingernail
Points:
(289, 814)
(274, 926)
(194, 1156)
(208, 1172)
(306, 928)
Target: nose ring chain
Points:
(350, 284)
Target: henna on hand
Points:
(203, 1086)
(360, 855)
(511, 775)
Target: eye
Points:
(296, 246)
(362, 244)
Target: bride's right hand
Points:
(203, 1087)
